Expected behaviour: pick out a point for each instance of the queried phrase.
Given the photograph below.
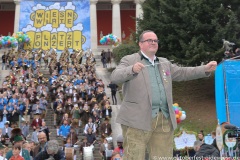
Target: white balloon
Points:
(183, 117)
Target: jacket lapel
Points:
(146, 77)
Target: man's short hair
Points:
(141, 35)
(17, 146)
(53, 146)
(197, 144)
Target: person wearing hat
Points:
(24, 153)
(120, 145)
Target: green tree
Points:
(124, 49)
(191, 32)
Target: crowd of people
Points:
(72, 91)
(230, 54)
(81, 107)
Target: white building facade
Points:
(106, 16)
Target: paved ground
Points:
(105, 76)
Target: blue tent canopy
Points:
(227, 91)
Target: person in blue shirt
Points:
(9, 109)
(64, 129)
(78, 81)
(52, 78)
(14, 100)
(22, 107)
(26, 63)
(20, 61)
(3, 102)
(33, 64)
(13, 63)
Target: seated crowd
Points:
(72, 91)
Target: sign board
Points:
(208, 139)
(219, 137)
(184, 140)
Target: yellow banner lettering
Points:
(46, 35)
(37, 42)
(61, 40)
(39, 17)
(47, 18)
(78, 39)
(31, 35)
(54, 18)
(69, 39)
(54, 37)
(69, 18)
(54, 40)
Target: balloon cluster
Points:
(179, 113)
(21, 37)
(8, 42)
(110, 39)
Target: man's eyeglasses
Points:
(150, 41)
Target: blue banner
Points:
(227, 87)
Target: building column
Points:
(116, 19)
(17, 13)
(139, 11)
(93, 24)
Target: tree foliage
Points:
(124, 49)
(191, 32)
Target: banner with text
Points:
(56, 24)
